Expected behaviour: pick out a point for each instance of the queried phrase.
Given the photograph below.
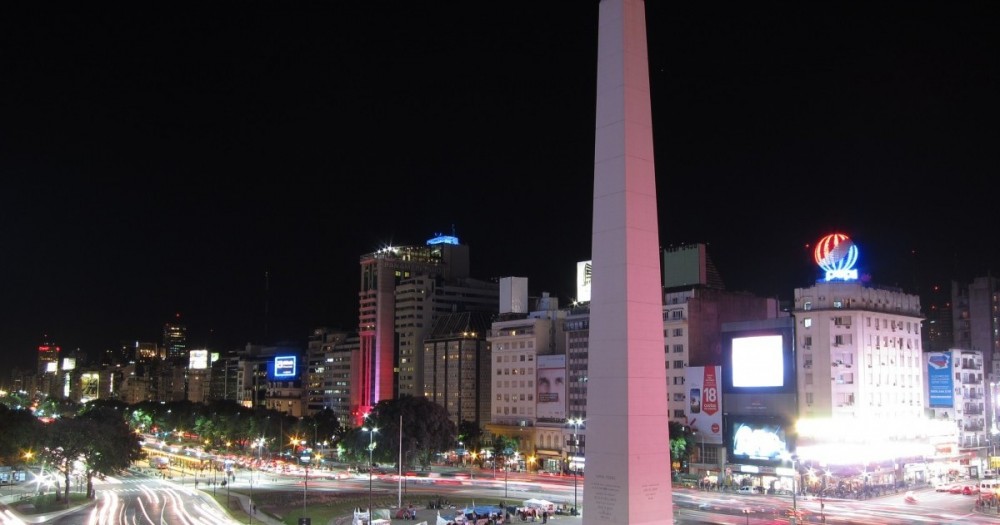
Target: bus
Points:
(160, 462)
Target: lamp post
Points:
(576, 422)
(506, 470)
(795, 472)
(251, 495)
(305, 481)
(399, 478)
(371, 449)
(746, 512)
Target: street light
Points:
(746, 512)
(795, 510)
(576, 422)
(305, 483)
(371, 449)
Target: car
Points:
(955, 489)
(969, 490)
(910, 497)
(747, 490)
(942, 487)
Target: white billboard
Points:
(198, 360)
(584, 270)
(550, 387)
(704, 406)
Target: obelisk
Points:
(628, 450)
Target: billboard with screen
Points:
(759, 361)
(286, 367)
(760, 440)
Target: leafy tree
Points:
(113, 446)
(681, 442)
(503, 448)
(57, 407)
(470, 434)
(326, 426)
(427, 429)
(66, 441)
(21, 431)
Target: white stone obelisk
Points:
(627, 477)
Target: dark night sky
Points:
(161, 161)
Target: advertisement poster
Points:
(550, 399)
(704, 403)
(939, 380)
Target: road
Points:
(137, 499)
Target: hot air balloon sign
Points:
(837, 254)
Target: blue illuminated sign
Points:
(940, 383)
(286, 366)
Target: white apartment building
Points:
(861, 381)
(956, 393)
(676, 335)
(859, 353)
(516, 344)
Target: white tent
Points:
(540, 504)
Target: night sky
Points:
(158, 162)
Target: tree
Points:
(470, 434)
(681, 443)
(427, 429)
(66, 440)
(21, 431)
(97, 442)
(504, 448)
(113, 447)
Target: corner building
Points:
(860, 379)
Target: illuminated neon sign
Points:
(837, 254)
(286, 366)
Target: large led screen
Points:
(757, 440)
(758, 361)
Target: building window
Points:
(809, 398)
(678, 364)
(678, 332)
(678, 349)
(807, 322)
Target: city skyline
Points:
(228, 163)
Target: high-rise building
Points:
(402, 289)
(976, 320)
(939, 333)
(457, 366)
(175, 338)
(420, 300)
(48, 358)
(956, 393)
(326, 383)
